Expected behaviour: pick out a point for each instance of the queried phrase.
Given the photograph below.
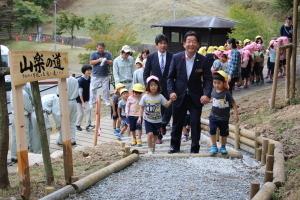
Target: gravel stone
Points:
(177, 178)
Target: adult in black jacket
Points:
(190, 85)
(158, 64)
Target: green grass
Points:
(73, 52)
(143, 13)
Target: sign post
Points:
(31, 66)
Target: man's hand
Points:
(173, 96)
(100, 60)
(204, 99)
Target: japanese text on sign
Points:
(34, 66)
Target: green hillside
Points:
(143, 13)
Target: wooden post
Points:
(254, 189)
(65, 129)
(258, 154)
(43, 133)
(270, 163)
(98, 117)
(294, 52)
(268, 176)
(237, 136)
(275, 77)
(288, 74)
(264, 151)
(22, 147)
(271, 148)
(4, 130)
(256, 146)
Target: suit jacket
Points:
(152, 67)
(198, 84)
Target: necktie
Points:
(162, 63)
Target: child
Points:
(83, 107)
(222, 101)
(138, 73)
(151, 103)
(121, 111)
(114, 109)
(132, 111)
(186, 127)
(220, 61)
(272, 57)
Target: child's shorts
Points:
(152, 127)
(133, 125)
(124, 121)
(221, 124)
(111, 113)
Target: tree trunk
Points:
(4, 132)
(43, 133)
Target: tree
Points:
(43, 3)
(114, 40)
(100, 24)
(68, 22)
(6, 18)
(4, 131)
(251, 23)
(29, 15)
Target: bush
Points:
(283, 5)
(251, 23)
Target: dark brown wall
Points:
(214, 37)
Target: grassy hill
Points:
(143, 13)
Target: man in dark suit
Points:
(158, 64)
(190, 85)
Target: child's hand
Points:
(139, 121)
(114, 114)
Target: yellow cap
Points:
(221, 48)
(119, 86)
(138, 87)
(210, 49)
(224, 74)
(246, 41)
(123, 90)
(202, 51)
(258, 37)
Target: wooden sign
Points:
(29, 66)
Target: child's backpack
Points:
(258, 57)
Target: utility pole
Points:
(55, 2)
(174, 9)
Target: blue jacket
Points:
(198, 84)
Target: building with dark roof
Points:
(212, 30)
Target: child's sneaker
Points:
(133, 142)
(213, 149)
(223, 150)
(139, 143)
(150, 151)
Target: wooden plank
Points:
(65, 130)
(22, 146)
(28, 66)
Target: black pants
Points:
(179, 114)
(232, 84)
(166, 117)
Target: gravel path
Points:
(184, 178)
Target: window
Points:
(175, 37)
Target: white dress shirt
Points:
(164, 55)
(189, 64)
